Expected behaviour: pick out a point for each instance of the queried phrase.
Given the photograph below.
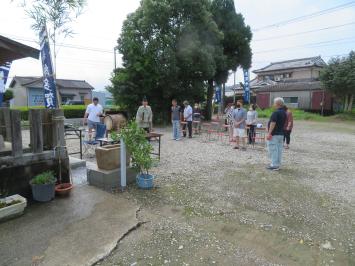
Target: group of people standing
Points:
(187, 115)
(238, 120)
(279, 127)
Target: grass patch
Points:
(307, 116)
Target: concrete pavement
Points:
(78, 230)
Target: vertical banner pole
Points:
(4, 73)
(246, 86)
(49, 85)
(123, 165)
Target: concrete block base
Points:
(108, 179)
(76, 163)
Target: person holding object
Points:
(175, 119)
(252, 117)
(188, 118)
(239, 117)
(275, 134)
(288, 127)
(92, 115)
(144, 116)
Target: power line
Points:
(93, 49)
(304, 32)
(311, 45)
(306, 17)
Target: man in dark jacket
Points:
(275, 134)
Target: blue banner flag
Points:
(4, 73)
(246, 86)
(50, 91)
(218, 95)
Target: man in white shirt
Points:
(187, 118)
(92, 114)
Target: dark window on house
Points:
(82, 96)
(290, 100)
(66, 98)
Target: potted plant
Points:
(12, 206)
(43, 186)
(140, 150)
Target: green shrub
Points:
(138, 146)
(24, 111)
(74, 111)
(70, 111)
(44, 178)
(8, 95)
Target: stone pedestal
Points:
(108, 179)
(109, 157)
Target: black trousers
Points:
(287, 136)
(251, 134)
(189, 127)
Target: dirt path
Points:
(217, 206)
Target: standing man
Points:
(188, 118)
(175, 119)
(275, 134)
(92, 115)
(144, 117)
(239, 117)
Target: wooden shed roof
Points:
(11, 50)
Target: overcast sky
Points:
(101, 23)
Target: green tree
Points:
(168, 49)
(236, 45)
(56, 14)
(339, 78)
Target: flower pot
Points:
(43, 192)
(145, 181)
(13, 210)
(63, 190)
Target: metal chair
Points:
(89, 143)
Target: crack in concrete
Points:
(132, 229)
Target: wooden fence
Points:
(19, 164)
(46, 131)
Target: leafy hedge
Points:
(70, 111)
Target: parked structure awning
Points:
(11, 50)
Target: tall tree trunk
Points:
(350, 103)
(346, 103)
(209, 100)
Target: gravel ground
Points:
(213, 205)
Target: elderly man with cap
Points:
(144, 117)
(188, 112)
